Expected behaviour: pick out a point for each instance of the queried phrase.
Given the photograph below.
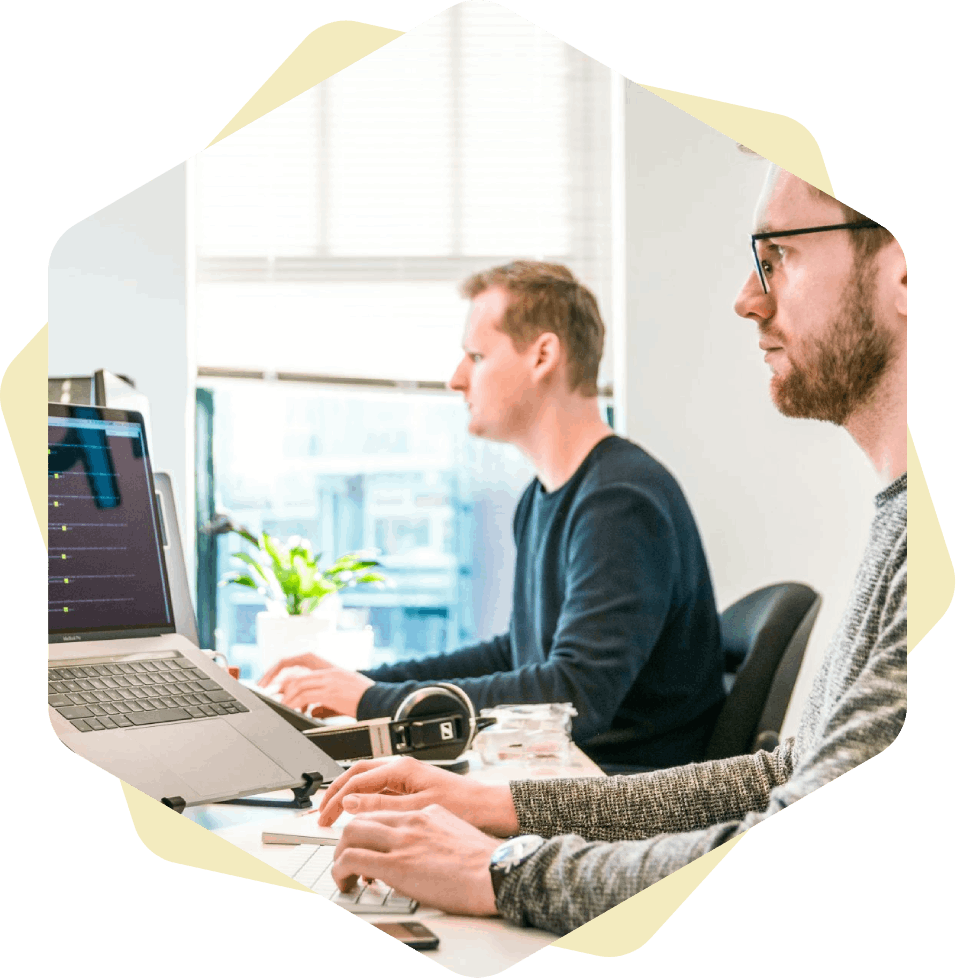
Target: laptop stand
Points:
(301, 797)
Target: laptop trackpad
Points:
(213, 759)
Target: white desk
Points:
(472, 946)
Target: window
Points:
(330, 237)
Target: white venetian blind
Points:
(331, 234)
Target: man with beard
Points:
(826, 364)
(828, 298)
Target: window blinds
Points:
(331, 234)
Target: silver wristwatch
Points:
(510, 855)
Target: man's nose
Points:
(752, 302)
(458, 382)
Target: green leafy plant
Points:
(290, 576)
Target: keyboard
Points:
(135, 693)
(311, 866)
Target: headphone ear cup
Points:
(461, 696)
(437, 700)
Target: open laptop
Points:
(127, 690)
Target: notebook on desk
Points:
(127, 690)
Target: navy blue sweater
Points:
(613, 611)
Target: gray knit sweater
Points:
(670, 817)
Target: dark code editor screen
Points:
(106, 569)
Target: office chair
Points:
(764, 636)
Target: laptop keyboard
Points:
(311, 866)
(107, 695)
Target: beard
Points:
(841, 370)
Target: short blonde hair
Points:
(547, 298)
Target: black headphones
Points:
(433, 723)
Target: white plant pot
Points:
(280, 635)
(328, 612)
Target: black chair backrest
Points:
(764, 636)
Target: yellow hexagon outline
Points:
(322, 54)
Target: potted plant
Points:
(302, 599)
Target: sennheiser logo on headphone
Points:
(447, 730)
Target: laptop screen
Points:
(107, 575)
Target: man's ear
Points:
(896, 275)
(547, 355)
(901, 279)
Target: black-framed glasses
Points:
(754, 238)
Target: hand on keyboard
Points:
(289, 668)
(404, 784)
(274, 688)
(317, 681)
(311, 865)
(275, 691)
(429, 855)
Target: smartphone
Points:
(412, 933)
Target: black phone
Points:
(412, 933)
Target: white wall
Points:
(118, 301)
(776, 499)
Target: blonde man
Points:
(613, 608)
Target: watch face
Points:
(514, 852)
(507, 857)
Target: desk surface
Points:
(472, 946)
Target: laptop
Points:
(127, 689)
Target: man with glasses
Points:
(828, 298)
(824, 374)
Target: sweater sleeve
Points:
(637, 807)
(693, 809)
(394, 682)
